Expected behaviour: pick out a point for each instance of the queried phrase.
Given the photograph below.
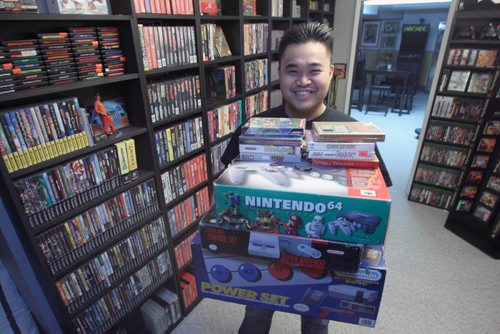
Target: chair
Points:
(403, 98)
(359, 82)
(378, 99)
(403, 101)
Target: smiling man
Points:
(305, 72)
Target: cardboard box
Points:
(332, 203)
(317, 254)
(340, 296)
(155, 318)
(170, 302)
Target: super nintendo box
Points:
(316, 254)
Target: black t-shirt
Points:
(329, 115)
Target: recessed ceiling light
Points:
(401, 2)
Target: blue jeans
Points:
(258, 321)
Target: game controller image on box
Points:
(352, 297)
(332, 203)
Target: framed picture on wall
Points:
(339, 70)
(391, 26)
(369, 36)
(388, 41)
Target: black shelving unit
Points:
(321, 10)
(133, 86)
(455, 169)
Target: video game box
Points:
(333, 203)
(351, 297)
(316, 254)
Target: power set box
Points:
(351, 297)
(332, 203)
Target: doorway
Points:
(383, 63)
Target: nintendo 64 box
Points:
(351, 297)
(333, 203)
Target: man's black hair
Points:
(307, 32)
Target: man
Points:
(305, 72)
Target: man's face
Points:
(305, 73)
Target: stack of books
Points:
(272, 139)
(345, 144)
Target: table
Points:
(403, 73)
(394, 72)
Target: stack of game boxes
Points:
(62, 57)
(296, 237)
(112, 56)
(24, 58)
(87, 54)
(58, 57)
(6, 77)
(272, 139)
(161, 311)
(345, 144)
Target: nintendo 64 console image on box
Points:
(333, 203)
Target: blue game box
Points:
(351, 297)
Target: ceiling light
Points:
(401, 2)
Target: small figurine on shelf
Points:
(472, 31)
(488, 32)
(106, 117)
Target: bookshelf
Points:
(176, 124)
(456, 166)
(322, 10)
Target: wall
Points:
(392, 13)
(344, 28)
(16, 260)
